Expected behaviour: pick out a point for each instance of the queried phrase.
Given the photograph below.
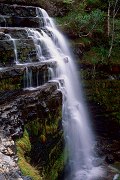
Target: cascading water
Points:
(78, 136)
(15, 48)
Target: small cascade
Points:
(27, 78)
(15, 51)
(47, 21)
(14, 46)
(2, 21)
(38, 42)
(51, 73)
(34, 78)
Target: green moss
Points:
(23, 149)
(34, 127)
(56, 169)
(117, 165)
(68, 1)
(10, 83)
(42, 131)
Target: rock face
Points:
(8, 159)
(23, 110)
(35, 112)
(53, 7)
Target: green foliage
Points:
(82, 23)
(24, 143)
(68, 1)
(34, 127)
(97, 55)
(57, 168)
(92, 2)
(107, 93)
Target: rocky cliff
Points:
(31, 136)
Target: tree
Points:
(114, 5)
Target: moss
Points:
(117, 165)
(56, 169)
(23, 149)
(10, 83)
(34, 127)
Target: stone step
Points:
(15, 33)
(16, 21)
(26, 75)
(20, 68)
(12, 51)
(19, 11)
(17, 46)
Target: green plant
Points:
(23, 149)
(92, 2)
(68, 1)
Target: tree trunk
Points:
(115, 11)
(108, 20)
(112, 38)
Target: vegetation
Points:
(57, 168)
(23, 149)
(107, 94)
(94, 29)
(100, 22)
(10, 83)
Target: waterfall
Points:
(77, 132)
(50, 45)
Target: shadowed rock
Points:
(16, 21)
(15, 10)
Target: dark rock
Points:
(109, 159)
(7, 52)
(15, 33)
(14, 10)
(27, 178)
(28, 107)
(15, 21)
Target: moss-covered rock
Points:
(23, 151)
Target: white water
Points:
(77, 132)
(27, 78)
(15, 48)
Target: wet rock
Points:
(16, 21)
(7, 52)
(27, 178)
(15, 33)
(3, 36)
(14, 10)
(54, 8)
(25, 108)
(109, 159)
